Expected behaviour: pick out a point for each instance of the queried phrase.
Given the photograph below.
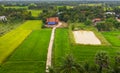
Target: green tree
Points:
(51, 70)
(70, 66)
(102, 60)
(117, 63)
(32, 6)
(88, 22)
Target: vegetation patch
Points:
(30, 56)
(113, 37)
(61, 45)
(17, 7)
(10, 41)
(35, 13)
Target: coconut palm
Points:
(70, 66)
(51, 70)
(117, 64)
(101, 59)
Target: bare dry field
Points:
(86, 37)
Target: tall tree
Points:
(102, 60)
(71, 66)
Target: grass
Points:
(113, 37)
(10, 41)
(35, 13)
(7, 27)
(61, 46)
(30, 56)
(92, 4)
(107, 8)
(17, 7)
(81, 53)
(87, 53)
(32, 25)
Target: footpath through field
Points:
(49, 54)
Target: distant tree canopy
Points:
(47, 13)
(108, 25)
(75, 14)
(15, 14)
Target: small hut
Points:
(96, 20)
(52, 21)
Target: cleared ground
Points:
(30, 56)
(86, 37)
(10, 41)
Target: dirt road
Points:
(49, 54)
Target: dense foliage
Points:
(101, 65)
(108, 25)
(15, 14)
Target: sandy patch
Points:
(86, 37)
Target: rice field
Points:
(113, 37)
(10, 41)
(30, 56)
(61, 46)
(81, 53)
(24, 49)
(35, 13)
(92, 4)
(17, 7)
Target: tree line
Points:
(14, 14)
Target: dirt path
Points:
(49, 54)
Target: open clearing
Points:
(86, 37)
(35, 13)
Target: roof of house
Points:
(53, 19)
(96, 19)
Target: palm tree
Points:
(70, 66)
(101, 59)
(117, 64)
(51, 70)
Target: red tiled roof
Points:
(53, 19)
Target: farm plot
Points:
(30, 56)
(17, 7)
(85, 53)
(32, 25)
(61, 45)
(113, 37)
(86, 37)
(35, 13)
(81, 53)
(10, 41)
